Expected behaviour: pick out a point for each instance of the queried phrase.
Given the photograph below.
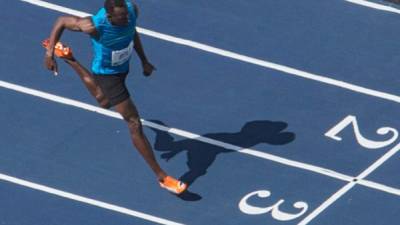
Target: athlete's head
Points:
(117, 12)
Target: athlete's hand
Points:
(148, 68)
(51, 64)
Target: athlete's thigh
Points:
(127, 109)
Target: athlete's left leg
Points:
(130, 114)
(87, 78)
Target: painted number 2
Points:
(366, 143)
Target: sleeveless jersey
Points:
(113, 47)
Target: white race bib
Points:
(121, 56)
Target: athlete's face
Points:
(119, 16)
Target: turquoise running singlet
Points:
(114, 46)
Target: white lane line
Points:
(182, 133)
(86, 200)
(374, 6)
(327, 203)
(358, 180)
(379, 162)
(236, 56)
(379, 187)
(58, 8)
(288, 70)
(186, 134)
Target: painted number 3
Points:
(366, 143)
(276, 213)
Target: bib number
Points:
(121, 56)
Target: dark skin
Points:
(127, 109)
(119, 17)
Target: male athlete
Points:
(114, 37)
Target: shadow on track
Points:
(200, 155)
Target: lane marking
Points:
(86, 200)
(374, 5)
(379, 162)
(186, 134)
(58, 8)
(182, 133)
(327, 203)
(236, 56)
(358, 180)
(287, 70)
(379, 187)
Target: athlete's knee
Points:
(103, 101)
(134, 123)
(105, 104)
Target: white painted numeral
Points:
(333, 133)
(276, 213)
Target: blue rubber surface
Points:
(237, 103)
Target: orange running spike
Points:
(60, 50)
(173, 185)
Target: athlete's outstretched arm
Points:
(72, 23)
(148, 68)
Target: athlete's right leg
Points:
(89, 81)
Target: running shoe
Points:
(60, 50)
(173, 185)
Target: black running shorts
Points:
(113, 87)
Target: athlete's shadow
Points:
(201, 155)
